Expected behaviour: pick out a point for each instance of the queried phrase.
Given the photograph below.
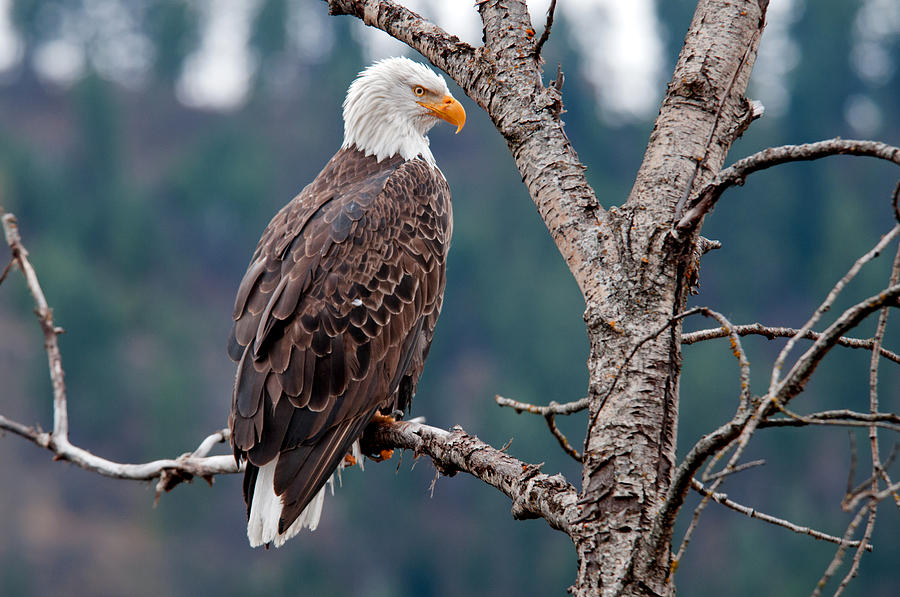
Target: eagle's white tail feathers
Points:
(265, 511)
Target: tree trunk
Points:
(642, 283)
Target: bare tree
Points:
(635, 263)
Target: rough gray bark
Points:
(632, 272)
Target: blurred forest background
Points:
(145, 144)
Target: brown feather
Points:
(334, 317)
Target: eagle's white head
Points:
(391, 106)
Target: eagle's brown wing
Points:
(334, 317)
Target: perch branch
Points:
(533, 494)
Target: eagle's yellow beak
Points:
(448, 109)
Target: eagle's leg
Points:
(367, 442)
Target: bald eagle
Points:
(335, 315)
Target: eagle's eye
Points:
(419, 90)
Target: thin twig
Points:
(738, 352)
(739, 468)
(546, 33)
(853, 493)
(45, 318)
(796, 379)
(721, 498)
(554, 408)
(838, 555)
(840, 417)
(857, 557)
(854, 459)
(783, 332)
(549, 412)
(7, 269)
(561, 438)
(877, 496)
(895, 197)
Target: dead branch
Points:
(783, 332)
(57, 441)
(546, 33)
(854, 492)
(561, 438)
(738, 469)
(721, 498)
(549, 413)
(707, 198)
(190, 465)
(799, 374)
(533, 494)
(441, 48)
(877, 467)
(839, 554)
(45, 318)
(840, 417)
(554, 408)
